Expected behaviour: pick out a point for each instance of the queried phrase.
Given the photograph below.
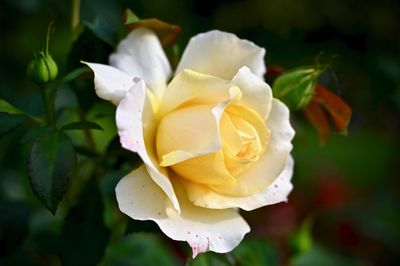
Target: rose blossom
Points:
(212, 140)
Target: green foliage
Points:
(251, 252)
(103, 30)
(130, 17)
(76, 73)
(296, 87)
(13, 226)
(103, 114)
(301, 241)
(82, 125)
(9, 123)
(8, 108)
(210, 259)
(139, 249)
(87, 47)
(84, 235)
(51, 161)
(321, 256)
(255, 252)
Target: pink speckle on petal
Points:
(198, 249)
(204, 249)
(128, 144)
(194, 250)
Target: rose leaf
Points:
(51, 161)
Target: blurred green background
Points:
(344, 209)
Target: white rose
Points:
(212, 140)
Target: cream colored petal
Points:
(140, 197)
(207, 169)
(254, 136)
(266, 170)
(140, 55)
(277, 192)
(231, 139)
(194, 88)
(187, 132)
(241, 115)
(204, 229)
(110, 83)
(256, 93)
(222, 54)
(136, 124)
(249, 152)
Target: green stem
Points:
(50, 32)
(88, 135)
(75, 15)
(48, 105)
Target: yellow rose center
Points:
(183, 134)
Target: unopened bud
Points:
(297, 87)
(42, 68)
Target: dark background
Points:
(348, 188)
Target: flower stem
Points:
(75, 14)
(48, 105)
(88, 135)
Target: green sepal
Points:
(297, 87)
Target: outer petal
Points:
(221, 54)
(277, 192)
(140, 54)
(264, 172)
(135, 122)
(110, 83)
(256, 93)
(204, 229)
